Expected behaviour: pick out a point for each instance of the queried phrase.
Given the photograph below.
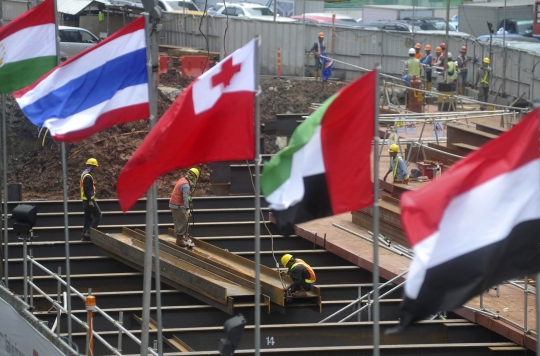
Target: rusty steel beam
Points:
(202, 283)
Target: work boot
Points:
(428, 86)
(300, 294)
(316, 74)
(461, 90)
(86, 237)
(181, 241)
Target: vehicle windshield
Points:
(259, 11)
(179, 5)
(524, 27)
(348, 20)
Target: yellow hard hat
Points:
(487, 61)
(285, 259)
(195, 171)
(92, 162)
(393, 148)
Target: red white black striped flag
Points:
(476, 226)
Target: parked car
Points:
(341, 17)
(512, 41)
(251, 11)
(182, 6)
(395, 25)
(314, 19)
(74, 40)
(126, 3)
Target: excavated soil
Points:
(35, 161)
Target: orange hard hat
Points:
(321, 34)
(443, 45)
(438, 49)
(463, 49)
(428, 48)
(418, 45)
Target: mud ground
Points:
(34, 159)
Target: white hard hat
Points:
(449, 55)
(412, 51)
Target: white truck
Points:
(473, 17)
(372, 13)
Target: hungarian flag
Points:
(476, 226)
(212, 120)
(27, 47)
(326, 168)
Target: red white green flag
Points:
(27, 47)
(326, 168)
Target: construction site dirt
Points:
(34, 159)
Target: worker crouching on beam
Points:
(301, 274)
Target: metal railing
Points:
(60, 308)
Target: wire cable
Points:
(205, 36)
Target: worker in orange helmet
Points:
(418, 55)
(318, 48)
(427, 62)
(180, 205)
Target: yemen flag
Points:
(476, 226)
(27, 47)
(325, 170)
(211, 121)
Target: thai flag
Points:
(103, 86)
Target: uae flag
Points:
(325, 169)
(212, 120)
(476, 226)
(27, 47)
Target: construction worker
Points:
(439, 60)
(318, 48)
(462, 61)
(443, 48)
(180, 204)
(451, 70)
(398, 167)
(482, 82)
(418, 55)
(412, 66)
(301, 274)
(426, 62)
(92, 214)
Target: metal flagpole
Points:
(151, 201)
(64, 189)
(257, 203)
(4, 163)
(157, 270)
(376, 331)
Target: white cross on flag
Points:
(212, 120)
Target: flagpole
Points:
(257, 203)
(4, 162)
(376, 330)
(151, 204)
(64, 190)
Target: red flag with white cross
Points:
(212, 120)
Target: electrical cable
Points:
(205, 36)
(226, 28)
(267, 229)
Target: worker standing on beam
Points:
(451, 70)
(180, 204)
(398, 167)
(318, 48)
(301, 273)
(462, 61)
(482, 82)
(92, 213)
(426, 62)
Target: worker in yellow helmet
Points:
(180, 205)
(397, 166)
(318, 48)
(301, 274)
(92, 213)
(482, 82)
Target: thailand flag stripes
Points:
(103, 86)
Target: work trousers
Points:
(483, 94)
(180, 219)
(92, 216)
(462, 79)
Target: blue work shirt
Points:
(401, 173)
(426, 60)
